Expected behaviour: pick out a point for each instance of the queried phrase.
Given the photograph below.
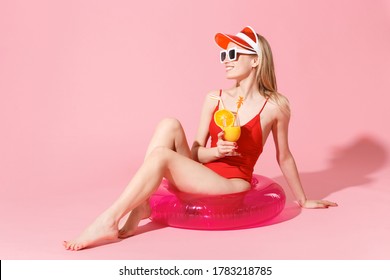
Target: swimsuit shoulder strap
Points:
(266, 100)
(220, 94)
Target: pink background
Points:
(83, 84)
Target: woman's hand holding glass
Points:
(229, 122)
(226, 148)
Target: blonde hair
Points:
(266, 79)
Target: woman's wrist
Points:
(206, 155)
(217, 154)
(302, 201)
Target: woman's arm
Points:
(199, 151)
(287, 163)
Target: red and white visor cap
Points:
(246, 39)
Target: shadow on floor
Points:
(352, 165)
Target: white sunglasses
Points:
(231, 54)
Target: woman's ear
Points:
(255, 61)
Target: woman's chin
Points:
(230, 76)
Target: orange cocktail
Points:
(229, 123)
(232, 133)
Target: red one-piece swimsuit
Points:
(250, 146)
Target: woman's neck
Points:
(247, 87)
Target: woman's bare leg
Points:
(160, 162)
(143, 211)
(170, 134)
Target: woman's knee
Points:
(169, 124)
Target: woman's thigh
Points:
(193, 177)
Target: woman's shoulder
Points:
(213, 96)
(211, 100)
(224, 91)
(279, 105)
(215, 92)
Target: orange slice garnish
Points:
(224, 118)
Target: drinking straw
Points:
(216, 97)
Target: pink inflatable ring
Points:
(265, 200)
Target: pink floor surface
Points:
(358, 229)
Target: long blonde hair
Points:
(266, 79)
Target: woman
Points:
(225, 167)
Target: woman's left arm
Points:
(287, 163)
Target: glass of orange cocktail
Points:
(232, 133)
(228, 121)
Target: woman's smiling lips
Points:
(228, 67)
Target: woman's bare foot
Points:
(141, 212)
(100, 232)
